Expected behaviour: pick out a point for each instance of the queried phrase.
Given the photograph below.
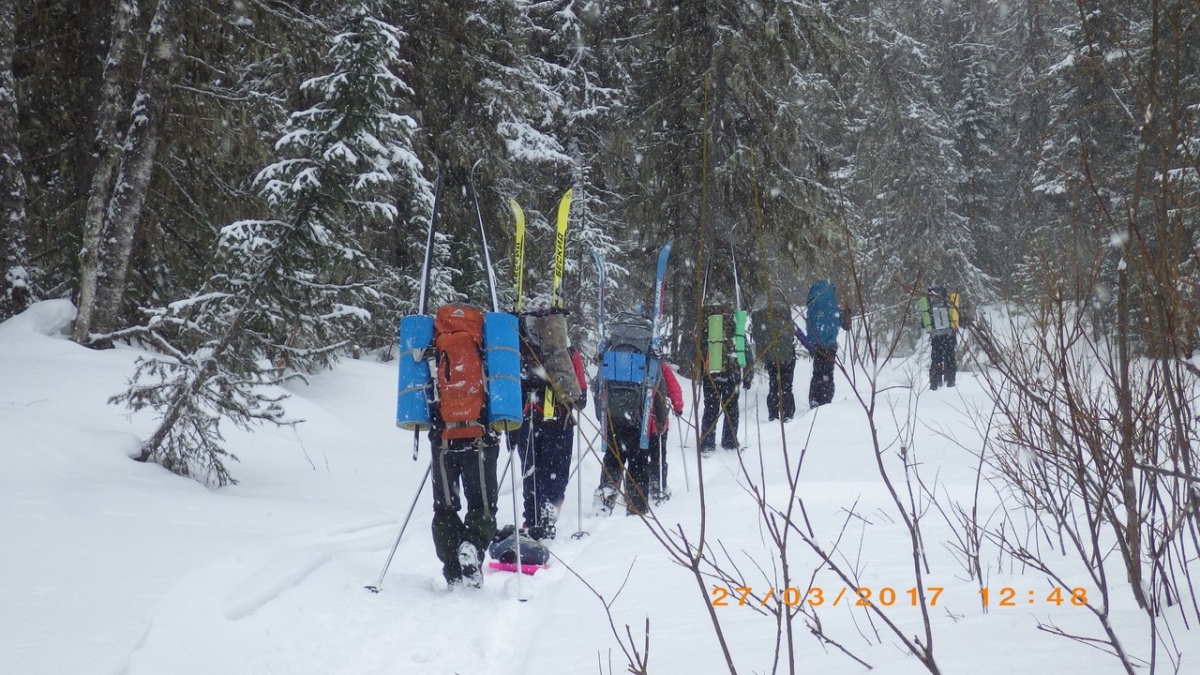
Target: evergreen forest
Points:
(245, 186)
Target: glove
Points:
(581, 402)
(747, 379)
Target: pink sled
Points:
(512, 567)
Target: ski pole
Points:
(579, 481)
(379, 584)
(504, 474)
(516, 522)
(662, 463)
(683, 456)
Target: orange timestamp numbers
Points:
(817, 596)
(1011, 597)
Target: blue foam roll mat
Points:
(503, 362)
(412, 394)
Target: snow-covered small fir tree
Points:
(287, 293)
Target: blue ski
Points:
(652, 363)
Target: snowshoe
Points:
(470, 560)
(660, 495)
(603, 501)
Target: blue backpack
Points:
(824, 317)
(623, 369)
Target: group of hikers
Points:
(554, 389)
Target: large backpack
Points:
(460, 391)
(623, 370)
(725, 339)
(823, 316)
(938, 313)
(774, 341)
(550, 333)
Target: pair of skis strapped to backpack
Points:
(550, 329)
(635, 360)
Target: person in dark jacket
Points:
(726, 364)
(824, 319)
(940, 319)
(775, 346)
(627, 469)
(547, 438)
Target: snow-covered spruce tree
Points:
(286, 292)
(467, 52)
(722, 111)
(555, 139)
(902, 170)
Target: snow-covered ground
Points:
(110, 566)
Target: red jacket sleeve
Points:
(673, 390)
(580, 375)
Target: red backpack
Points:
(461, 394)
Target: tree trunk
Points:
(108, 153)
(147, 116)
(14, 285)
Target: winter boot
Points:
(603, 501)
(472, 565)
(546, 518)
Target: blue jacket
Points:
(823, 315)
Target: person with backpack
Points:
(824, 319)
(940, 319)
(727, 364)
(639, 475)
(775, 345)
(465, 447)
(554, 387)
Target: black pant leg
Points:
(613, 466)
(481, 491)
(447, 527)
(935, 362)
(787, 373)
(731, 402)
(712, 411)
(526, 440)
(951, 357)
(637, 473)
(820, 389)
(774, 391)
(554, 445)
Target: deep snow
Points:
(109, 566)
